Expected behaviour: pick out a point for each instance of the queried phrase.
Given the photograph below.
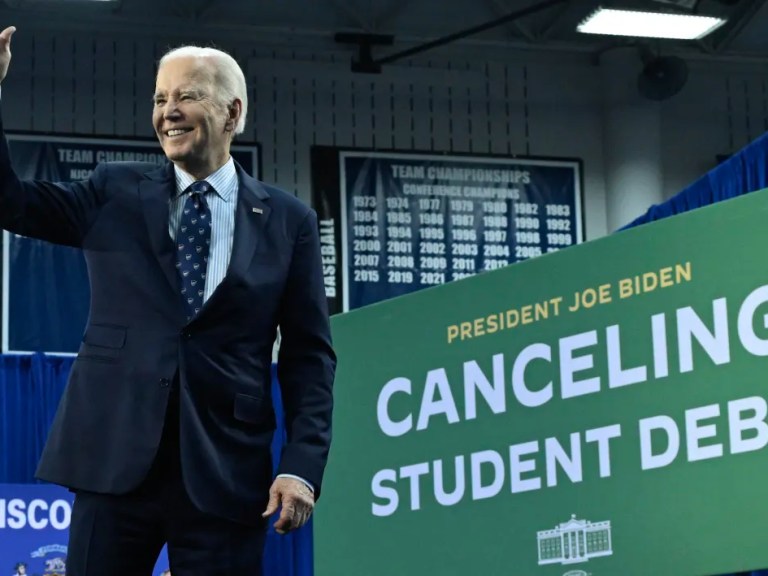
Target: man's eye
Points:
(159, 101)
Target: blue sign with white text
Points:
(34, 530)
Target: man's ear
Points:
(234, 110)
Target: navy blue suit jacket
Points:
(109, 423)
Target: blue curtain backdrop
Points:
(30, 388)
(746, 171)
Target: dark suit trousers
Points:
(124, 534)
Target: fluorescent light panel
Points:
(649, 24)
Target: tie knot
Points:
(199, 187)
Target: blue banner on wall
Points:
(411, 221)
(34, 530)
(45, 287)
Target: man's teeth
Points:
(173, 133)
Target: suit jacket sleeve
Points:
(306, 361)
(56, 212)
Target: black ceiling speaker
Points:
(662, 76)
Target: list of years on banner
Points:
(431, 240)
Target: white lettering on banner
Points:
(437, 385)
(328, 255)
(476, 381)
(78, 156)
(80, 173)
(715, 342)
(617, 375)
(38, 514)
(456, 174)
(577, 373)
(525, 395)
(407, 171)
(672, 441)
(745, 416)
(570, 364)
(387, 425)
(603, 436)
(572, 368)
(486, 474)
(755, 425)
(480, 491)
(519, 466)
(661, 438)
(129, 156)
(74, 155)
(388, 493)
(449, 498)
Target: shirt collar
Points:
(223, 181)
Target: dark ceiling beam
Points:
(704, 45)
(516, 29)
(742, 15)
(567, 15)
(375, 65)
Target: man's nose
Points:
(171, 109)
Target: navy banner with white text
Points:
(395, 223)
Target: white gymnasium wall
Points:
(533, 103)
(722, 108)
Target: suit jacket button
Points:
(164, 382)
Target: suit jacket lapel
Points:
(155, 193)
(251, 215)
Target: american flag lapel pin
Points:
(258, 210)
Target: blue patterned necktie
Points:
(193, 240)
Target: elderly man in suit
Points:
(165, 427)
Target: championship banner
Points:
(45, 287)
(598, 411)
(395, 223)
(34, 530)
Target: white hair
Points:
(230, 80)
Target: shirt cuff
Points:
(299, 478)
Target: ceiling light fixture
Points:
(649, 24)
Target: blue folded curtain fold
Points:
(745, 171)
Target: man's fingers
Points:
(5, 37)
(287, 518)
(305, 513)
(274, 502)
(293, 516)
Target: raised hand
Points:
(5, 50)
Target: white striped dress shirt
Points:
(223, 204)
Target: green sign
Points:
(597, 411)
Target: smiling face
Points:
(193, 127)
